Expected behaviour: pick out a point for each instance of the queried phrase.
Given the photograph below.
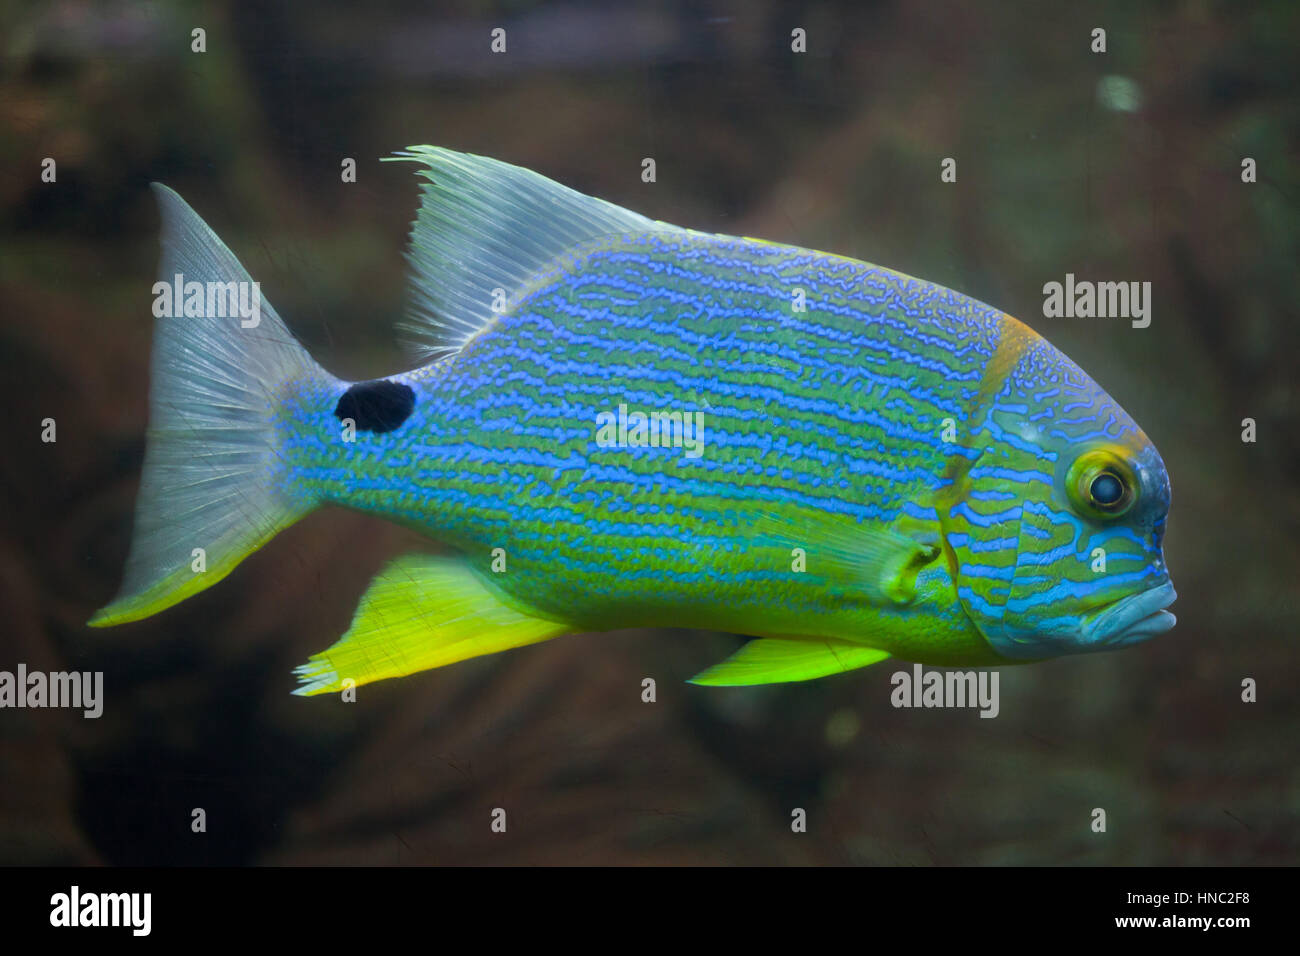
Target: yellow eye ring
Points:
(1101, 484)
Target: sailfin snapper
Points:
(880, 467)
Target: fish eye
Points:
(1101, 484)
(1106, 490)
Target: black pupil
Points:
(1107, 489)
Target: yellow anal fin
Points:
(771, 660)
(421, 612)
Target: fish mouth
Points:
(1131, 619)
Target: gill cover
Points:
(1058, 531)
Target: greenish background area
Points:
(1117, 166)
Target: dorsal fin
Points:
(485, 225)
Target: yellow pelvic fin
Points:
(771, 660)
(420, 612)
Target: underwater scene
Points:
(587, 434)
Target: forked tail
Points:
(222, 359)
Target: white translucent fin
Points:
(210, 444)
(485, 225)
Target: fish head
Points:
(1064, 515)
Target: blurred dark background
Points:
(1122, 166)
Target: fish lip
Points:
(1134, 618)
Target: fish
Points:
(617, 423)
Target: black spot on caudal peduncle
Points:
(378, 407)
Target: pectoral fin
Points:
(770, 660)
(420, 612)
(881, 560)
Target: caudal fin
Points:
(209, 495)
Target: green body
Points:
(851, 463)
(815, 422)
